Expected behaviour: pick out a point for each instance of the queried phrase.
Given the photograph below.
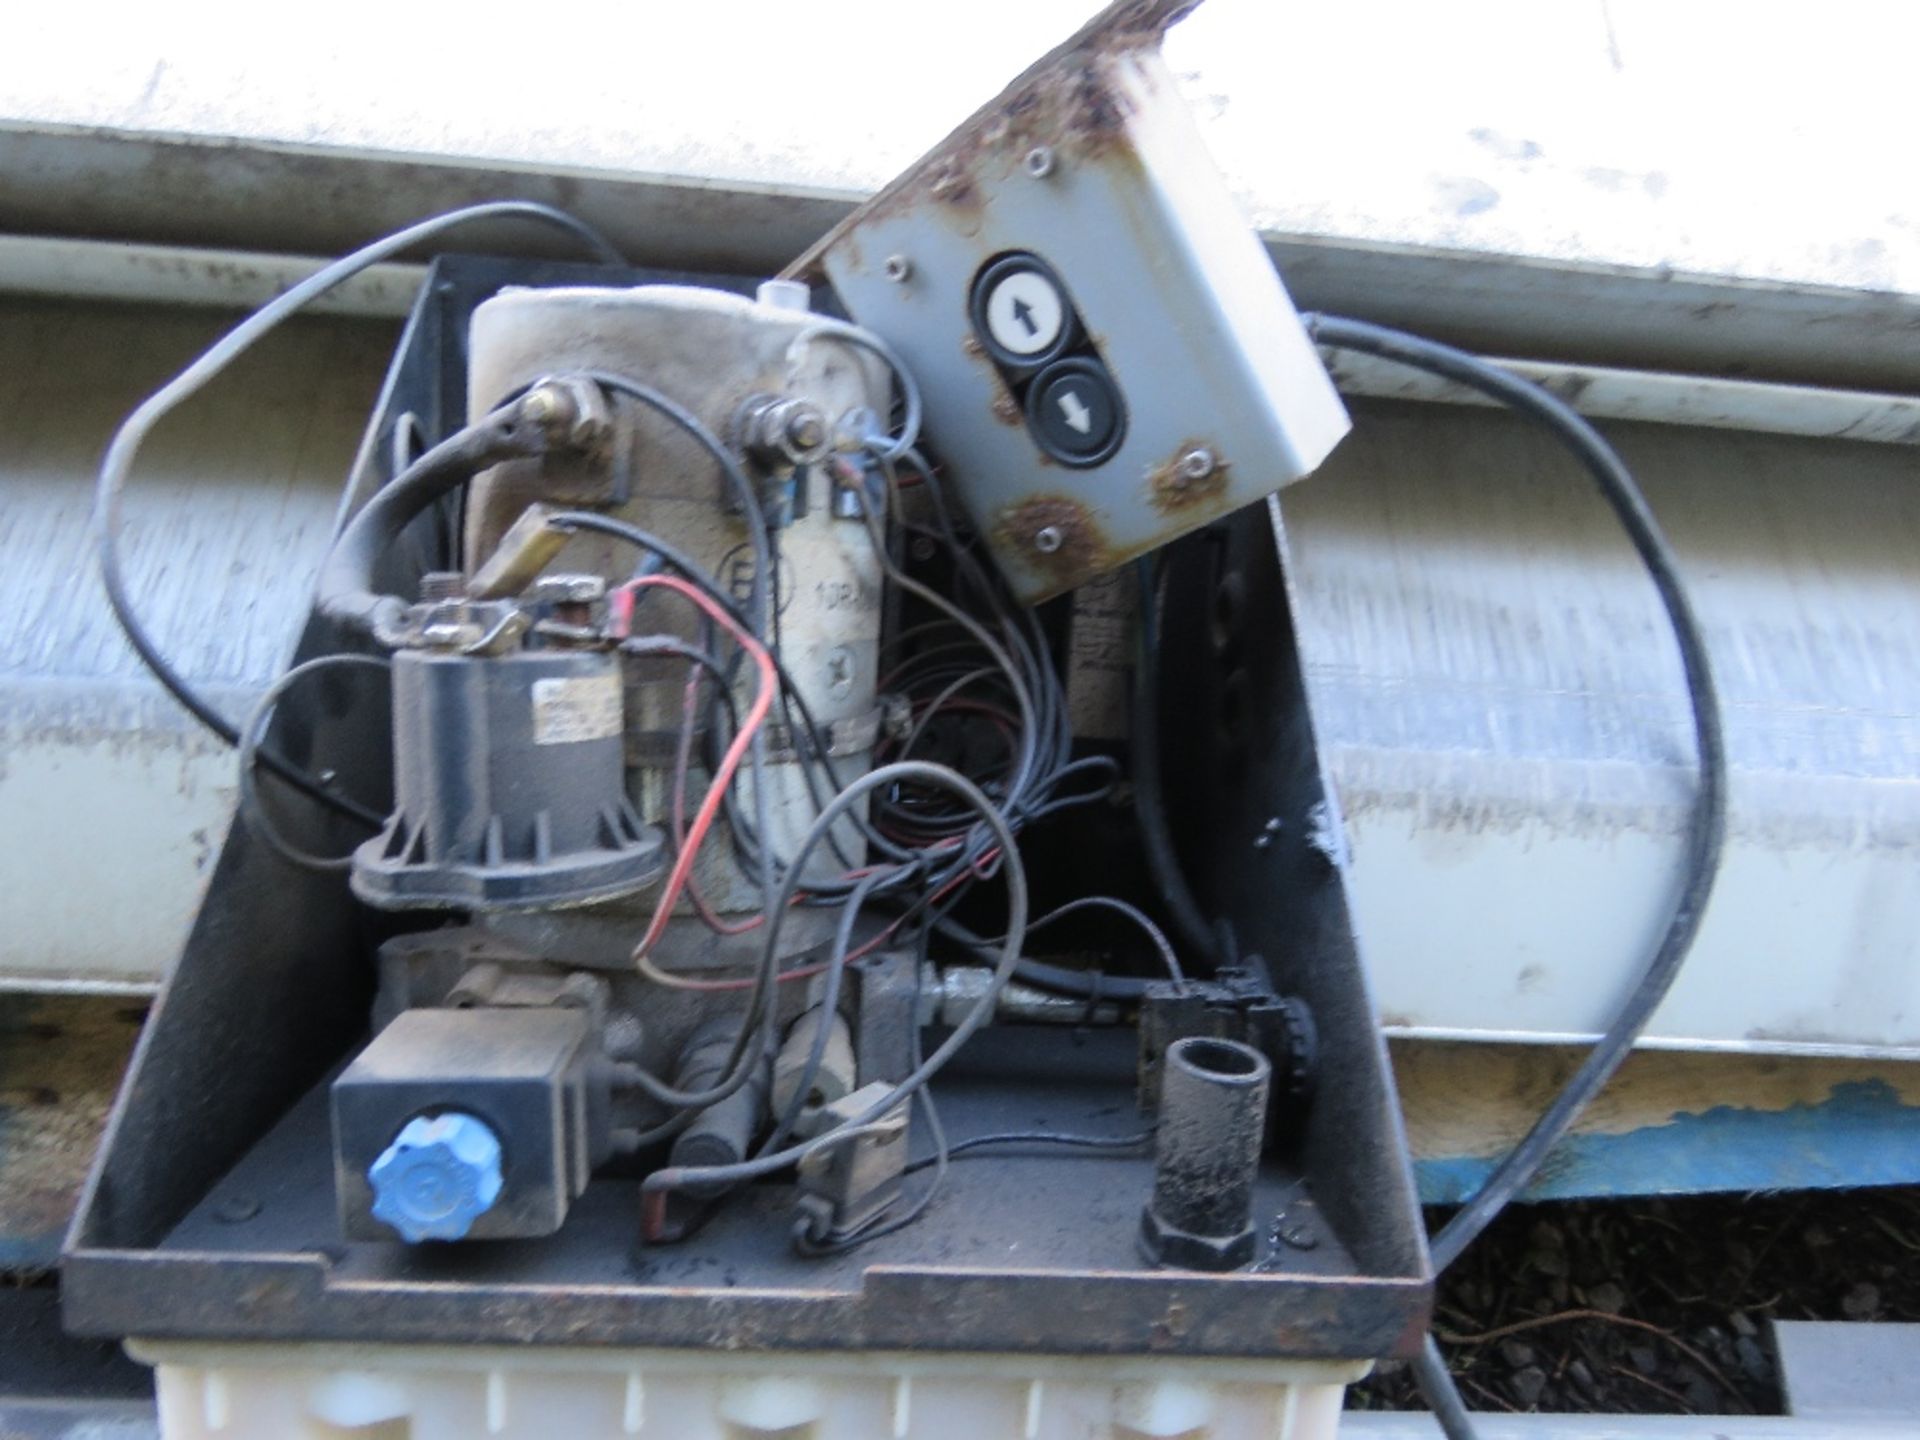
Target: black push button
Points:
(1074, 412)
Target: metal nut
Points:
(898, 268)
(1039, 162)
(1048, 539)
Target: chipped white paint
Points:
(1625, 132)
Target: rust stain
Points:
(1079, 551)
(1173, 492)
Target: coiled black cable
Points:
(125, 446)
(1706, 833)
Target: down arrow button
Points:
(1074, 412)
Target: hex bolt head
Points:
(1197, 464)
(898, 269)
(567, 589)
(1048, 539)
(1039, 162)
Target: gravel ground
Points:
(1660, 1306)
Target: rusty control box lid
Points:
(1108, 358)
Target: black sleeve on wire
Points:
(1706, 834)
(345, 592)
(126, 442)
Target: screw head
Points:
(237, 1208)
(1197, 464)
(898, 269)
(1039, 162)
(1048, 539)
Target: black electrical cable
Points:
(1149, 796)
(1083, 984)
(1067, 1139)
(345, 591)
(828, 1009)
(126, 442)
(655, 1186)
(1706, 833)
(1430, 1373)
(804, 1240)
(252, 732)
(678, 560)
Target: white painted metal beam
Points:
(179, 275)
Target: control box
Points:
(1107, 355)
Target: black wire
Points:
(655, 1186)
(806, 1243)
(828, 1010)
(678, 560)
(1149, 797)
(126, 442)
(1430, 1373)
(1708, 830)
(1706, 834)
(1084, 984)
(1065, 1138)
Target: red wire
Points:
(730, 762)
(805, 972)
(681, 760)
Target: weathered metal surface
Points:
(1605, 156)
(176, 275)
(1670, 1123)
(1503, 716)
(1712, 402)
(1240, 751)
(1085, 184)
(60, 1062)
(1836, 1370)
(209, 1211)
(102, 776)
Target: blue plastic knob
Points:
(438, 1176)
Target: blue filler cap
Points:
(438, 1176)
